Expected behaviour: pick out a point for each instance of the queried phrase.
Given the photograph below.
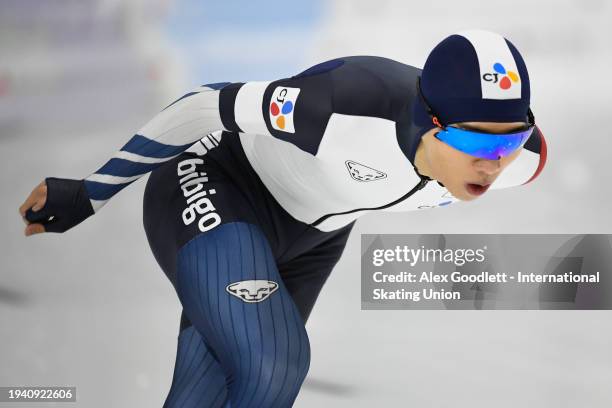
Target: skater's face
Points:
(466, 177)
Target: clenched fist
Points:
(55, 205)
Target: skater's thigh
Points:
(231, 291)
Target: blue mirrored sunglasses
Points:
(491, 146)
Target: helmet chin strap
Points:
(419, 160)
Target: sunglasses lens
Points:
(484, 145)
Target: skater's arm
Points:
(165, 136)
(57, 205)
(294, 109)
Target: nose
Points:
(489, 167)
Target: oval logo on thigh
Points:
(252, 291)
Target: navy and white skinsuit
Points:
(248, 222)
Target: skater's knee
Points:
(280, 377)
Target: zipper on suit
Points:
(416, 188)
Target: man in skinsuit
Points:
(248, 222)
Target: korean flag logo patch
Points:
(282, 106)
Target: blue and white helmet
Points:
(475, 75)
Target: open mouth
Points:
(476, 189)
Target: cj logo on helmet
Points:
(502, 76)
(282, 107)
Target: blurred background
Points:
(91, 308)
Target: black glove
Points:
(67, 205)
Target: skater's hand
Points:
(35, 201)
(55, 205)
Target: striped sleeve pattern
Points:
(167, 135)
